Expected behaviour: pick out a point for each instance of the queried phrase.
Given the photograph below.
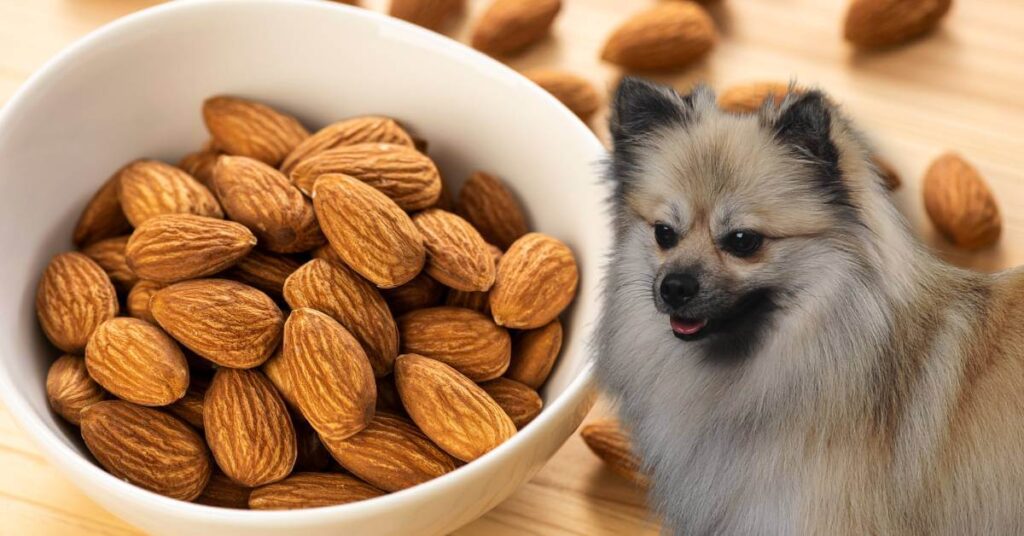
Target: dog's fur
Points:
(853, 383)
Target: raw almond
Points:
(537, 279)
(324, 372)
(477, 301)
(223, 492)
(200, 163)
(175, 247)
(261, 198)
(486, 203)
(450, 409)
(610, 443)
(369, 129)
(150, 188)
(248, 428)
(147, 448)
(311, 490)
(960, 204)
(391, 454)
(457, 255)
(69, 389)
(430, 14)
(400, 172)
(137, 362)
(423, 291)
(575, 92)
(231, 324)
(466, 340)
(247, 128)
(882, 23)
(102, 216)
(521, 403)
(265, 271)
(338, 291)
(748, 98)
(109, 254)
(368, 231)
(73, 298)
(668, 35)
(510, 26)
(189, 408)
(534, 353)
(313, 456)
(138, 299)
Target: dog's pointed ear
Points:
(640, 107)
(804, 123)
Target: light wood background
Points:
(960, 89)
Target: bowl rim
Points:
(577, 393)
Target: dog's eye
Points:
(742, 243)
(665, 235)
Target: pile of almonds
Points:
(308, 318)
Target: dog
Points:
(789, 359)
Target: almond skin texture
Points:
(150, 188)
(223, 492)
(369, 129)
(391, 454)
(138, 300)
(537, 279)
(430, 14)
(883, 23)
(338, 291)
(669, 35)
(450, 409)
(369, 231)
(175, 247)
(73, 298)
(521, 403)
(231, 324)
(534, 353)
(510, 26)
(960, 204)
(486, 203)
(200, 164)
(400, 172)
(423, 291)
(109, 254)
(137, 362)
(102, 216)
(477, 301)
(265, 271)
(457, 255)
(464, 339)
(748, 98)
(189, 408)
(69, 389)
(575, 92)
(262, 199)
(324, 372)
(610, 443)
(311, 490)
(147, 448)
(248, 428)
(243, 127)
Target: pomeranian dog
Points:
(788, 358)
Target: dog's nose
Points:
(677, 289)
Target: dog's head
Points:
(729, 217)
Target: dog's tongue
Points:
(687, 327)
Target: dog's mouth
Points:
(688, 329)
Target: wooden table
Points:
(961, 89)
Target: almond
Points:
(477, 301)
(150, 188)
(223, 492)
(102, 216)
(231, 324)
(109, 254)
(248, 428)
(748, 98)
(338, 291)
(200, 163)
(73, 298)
(69, 389)
(147, 448)
(486, 203)
(889, 175)
(388, 400)
(521, 403)
(610, 443)
(450, 409)
(311, 490)
(668, 35)
(175, 247)
(400, 172)
(510, 26)
(324, 372)
(463, 339)
(189, 408)
(534, 353)
(243, 127)
(430, 14)
(422, 291)
(882, 23)
(575, 92)
(537, 279)
(261, 198)
(137, 362)
(960, 204)
(138, 300)
(369, 231)
(457, 255)
(369, 129)
(391, 454)
(265, 271)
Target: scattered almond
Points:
(457, 255)
(960, 204)
(466, 340)
(534, 353)
(610, 443)
(243, 127)
(432, 14)
(575, 92)
(311, 490)
(537, 279)
(510, 26)
(137, 362)
(668, 35)
(748, 98)
(487, 204)
(883, 23)
(69, 389)
(369, 129)
(73, 298)
(149, 188)
(175, 247)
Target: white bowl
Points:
(134, 89)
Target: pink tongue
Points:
(687, 327)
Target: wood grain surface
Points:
(958, 89)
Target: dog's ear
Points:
(804, 123)
(640, 107)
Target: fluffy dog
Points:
(789, 358)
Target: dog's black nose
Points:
(677, 289)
